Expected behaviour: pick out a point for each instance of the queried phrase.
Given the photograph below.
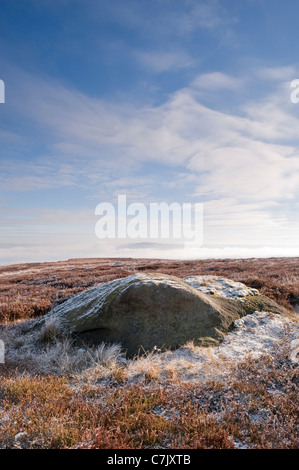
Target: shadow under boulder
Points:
(143, 311)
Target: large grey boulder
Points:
(142, 311)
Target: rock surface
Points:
(143, 311)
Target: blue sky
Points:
(160, 100)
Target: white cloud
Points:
(215, 81)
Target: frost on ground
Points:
(253, 336)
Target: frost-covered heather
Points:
(49, 350)
(241, 394)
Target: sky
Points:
(161, 101)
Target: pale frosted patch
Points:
(2, 349)
(222, 287)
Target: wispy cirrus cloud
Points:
(208, 15)
(169, 18)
